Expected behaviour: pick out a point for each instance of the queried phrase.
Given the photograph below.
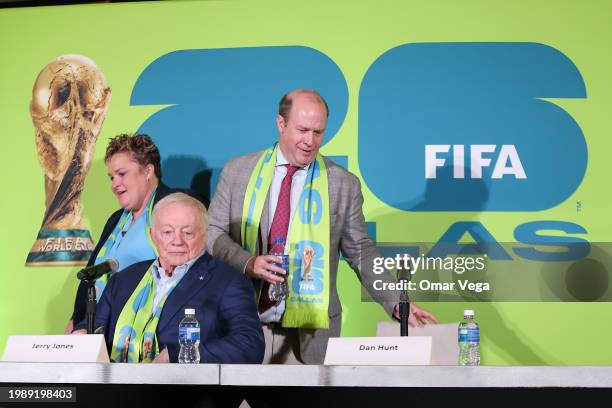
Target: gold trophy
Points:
(69, 101)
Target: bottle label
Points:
(189, 334)
(284, 265)
(470, 335)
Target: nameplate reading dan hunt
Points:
(56, 349)
(378, 351)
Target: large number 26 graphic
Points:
(222, 103)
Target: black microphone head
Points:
(113, 265)
(96, 271)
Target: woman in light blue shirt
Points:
(134, 168)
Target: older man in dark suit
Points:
(141, 308)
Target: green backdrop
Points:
(124, 38)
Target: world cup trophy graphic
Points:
(69, 102)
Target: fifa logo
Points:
(508, 161)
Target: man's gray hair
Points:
(185, 199)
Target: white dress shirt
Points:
(162, 283)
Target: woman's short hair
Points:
(141, 148)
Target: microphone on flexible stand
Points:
(404, 309)
(404, 300)
(97, 271)
(89, 276)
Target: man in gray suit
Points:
(301, 123)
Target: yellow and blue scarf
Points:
(135, 339)
(308, 280)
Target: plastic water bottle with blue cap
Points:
(279, 291)
(189, 339)
(469, 340)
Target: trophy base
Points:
(61, 247)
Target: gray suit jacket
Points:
(348, 234)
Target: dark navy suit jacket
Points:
(230, 331)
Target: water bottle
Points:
(189, 338)
(279, 291)
(469, 340)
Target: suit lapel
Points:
(194, 280)
(331, 188)
(108, 229)
(162, 191)
(264, 226)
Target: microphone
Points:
(404, 301)
(404, 311)
(96, 271)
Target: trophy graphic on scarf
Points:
(69, 101)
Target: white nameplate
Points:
(378, 351)
(444, 346)
(89, 348)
